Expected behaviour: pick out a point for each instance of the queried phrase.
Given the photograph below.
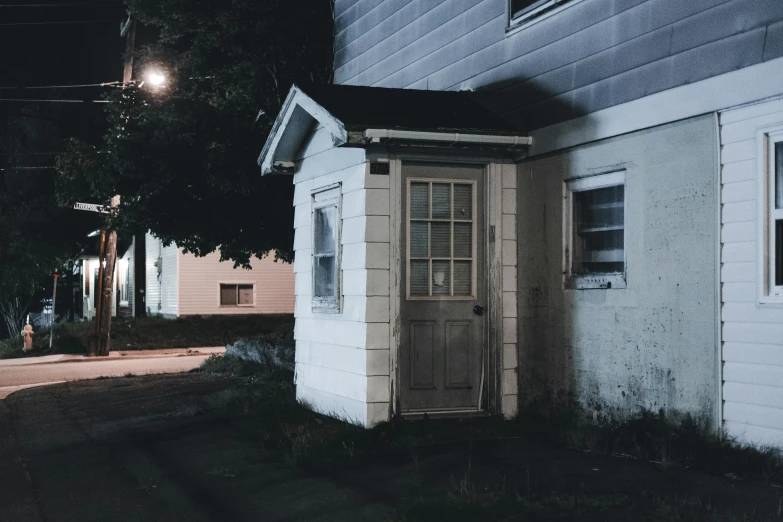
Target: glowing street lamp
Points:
(156, 79)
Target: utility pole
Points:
(128, 30)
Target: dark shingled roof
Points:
(361, 107)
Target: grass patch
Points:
(148, 333)
(683, 442)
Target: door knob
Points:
(478, 310)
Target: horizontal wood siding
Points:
(752, 332)
(591, 55)
(342, 359)
(162, 289)
(200, 279)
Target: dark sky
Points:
(60, 53)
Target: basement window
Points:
(236, 295)
(594, 220)
(326, 250)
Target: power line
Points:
(30, 168)
(104, 84)
(24, 100)
(67, 4)
(60, 23)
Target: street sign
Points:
(91, 207)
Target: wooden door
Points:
(442, 347)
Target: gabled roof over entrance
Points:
(356, 115)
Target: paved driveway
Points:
(154, 448)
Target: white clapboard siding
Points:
(200, 279)
(342, 359)
(161, 296)
(752, 332)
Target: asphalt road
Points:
(22, 373)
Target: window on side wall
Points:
(594, 224)
(772, 210)
(521, 11)
(236, 295)
(326, 250)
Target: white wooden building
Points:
(632, 252)
(180, 284)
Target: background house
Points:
(151, 279)
(642, 225)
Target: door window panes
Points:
(441, 239)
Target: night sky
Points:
(60, 54)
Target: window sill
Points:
(325, 305)
(596, 282)
(532, 18)
(237, 306)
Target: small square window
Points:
(595, 225)
(236, 295)
(326, 250)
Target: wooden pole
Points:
(99, 290)
(54, 305)
(107, 294)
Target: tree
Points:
(183, 157)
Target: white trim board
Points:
(721, 92)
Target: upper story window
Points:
(771, 219)
(326, 250)
(594, 221)
(521, 11)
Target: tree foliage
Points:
(183, 157)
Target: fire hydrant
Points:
(27, 334)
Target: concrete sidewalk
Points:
(19, 374)
(129, 354)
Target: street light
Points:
(156, 79)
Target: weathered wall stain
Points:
(652, 345)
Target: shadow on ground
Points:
(178, 447)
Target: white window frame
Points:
(573, 281)
(237, 284)
(766, 138)
(328, 196)
(536, 14)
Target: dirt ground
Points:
(166, 448)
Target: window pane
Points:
(463, 239)
(418, 278)
(779, 252)
(325, 276)
(463, 201)
(419, 239)
(246, 294)
(440, 278)
(325, 228)
(599, 223)
(519, 7)
(228, 295)
(463, 276)
(441, 240)
(779, 174)
(441, 201)
(419, 203)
